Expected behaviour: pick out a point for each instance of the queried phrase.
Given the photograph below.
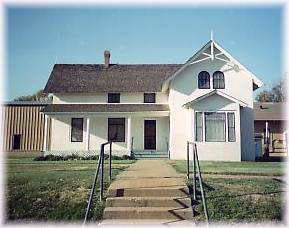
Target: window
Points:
(149, 98)
(116, 129)
(204, 80)
(215, 127)
(16, 142)
(218, 80)
(76, 129)
(231, 127)
(113, 98)
(199, 126)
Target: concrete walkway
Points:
(148, 192)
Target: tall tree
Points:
(275, 94)
(38, 96)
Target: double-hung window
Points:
(116, 129)
(76, 129)
(149, 98)
(113, 98)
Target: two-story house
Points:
(155, 108)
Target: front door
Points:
(149, 134)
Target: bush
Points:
(51, 157)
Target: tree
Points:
(275, 94)
(38, 96)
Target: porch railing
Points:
(196, 170)
(99, 172)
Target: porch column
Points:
(87, 133)
(129, 134)
(45, 143)
(266, 132)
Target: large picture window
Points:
(218, 80)
(231, 127)
(214, 126)
(215, 130)
(204, 80)
(116, 129)
(76, 129)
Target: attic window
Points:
(204, 80)
(149, 98)
(218, 80)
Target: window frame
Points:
(108, 129)
(208, 79)
(147, 94)
(71, 129)
(234, 127)
(112, 100)
(196, 127)
(215, 79)
(204, 127)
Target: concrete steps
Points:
(177, 191)
(148, 213)
(150, 154)
(149, 202)
(148, 191)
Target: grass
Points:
(235, 168)
(52, 190)
(242, 200)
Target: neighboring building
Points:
(23, 126)
(208, 99)
(272, 115)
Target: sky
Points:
(37, 38)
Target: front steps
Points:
(151, 154)
(150, 191)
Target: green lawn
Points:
(52, 190)
(242, 200)
(233, 200)
(235, 168)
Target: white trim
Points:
(129, 133)
(83, 114)
(218, 92)
(211, 43)
(87, 133)
(45, 143)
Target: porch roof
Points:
(93, 108)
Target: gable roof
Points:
(90, 78)
(213, 45)
(270, 111)
(222, 94)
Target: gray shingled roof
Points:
(56, 108)
(89, 78)
(269, 111)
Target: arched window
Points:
(204, 80)
(218, 80)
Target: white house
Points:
(154, 109)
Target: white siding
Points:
(184, 88)
(101, 98)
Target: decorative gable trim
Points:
(217, 92)
(202, 55)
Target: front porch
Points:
(144, 134)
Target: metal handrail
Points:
(100, 168)
(196, 168)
